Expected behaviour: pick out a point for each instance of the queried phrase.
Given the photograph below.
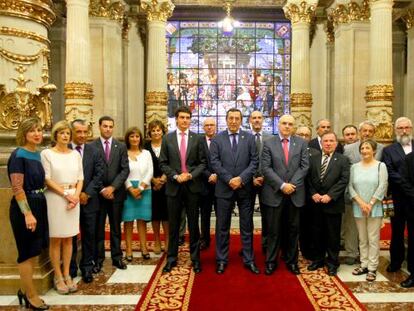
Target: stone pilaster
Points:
(380, 89)
(300, 15)
(409, 100)
(158, 11)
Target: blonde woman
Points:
(64, 179)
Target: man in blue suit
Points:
(234, 159)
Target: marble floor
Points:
(114, 289)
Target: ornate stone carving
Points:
(126, 25)
(157, 10)
(379, 93)
(40, 11)
(381, 115)
(82, 111)
(78, 90)
(107, 9)
(22, 59)
(408, 18)
(301, 108)
(156, 106)
(351, 12)
(20, 104)
(302, 13)
(7, 31)
(330, 30)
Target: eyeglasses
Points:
(400, 128)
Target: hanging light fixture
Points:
(228, 23)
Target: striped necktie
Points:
(324, 166)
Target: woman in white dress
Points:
(64, 179)
(138, 203)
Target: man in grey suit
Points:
(350, 231)
(183, 160)
(112, 193)
(285, 164)
(234, 159)
(92, 165)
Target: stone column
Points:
(300, 15)
(399, 60)
(409, 100)
(78, 86)
(380, 90)
(156, 89)
(24, 92)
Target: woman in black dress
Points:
(28, 212)
(156, 130)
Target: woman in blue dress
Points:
(28, 211)
(138, 184)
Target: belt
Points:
(37, 191)
(68, 186)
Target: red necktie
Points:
(183, 152)
(286, 149)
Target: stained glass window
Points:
(211, 72)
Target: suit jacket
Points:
(407, 180)
(259, 171)
(116, 170)
(228, 165)
(170, 162)
(314, 143)
(276, 172)
(207, 187)
(334, 182)
(352, 152)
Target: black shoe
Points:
(332, 271)
(315, 265)
(204, 245)
(393, 268)
(97, 268)
(73, 273)
(168, 266)
(146, 256)
(409, 282)
(128, 258)
(270, 268)
(87, 277)
(181, 241)
(293, 268)
(220, 268)
(119, 264)
(252, 267)
(196, 267)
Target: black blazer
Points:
(407, 182)
(116, 170)
(208, 171)
(314, 143)
(334, 182)
(170, 162)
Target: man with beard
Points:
(394, 156)
(349, 229)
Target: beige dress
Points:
(63, 169)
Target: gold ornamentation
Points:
(108, 9)
(379, 93)
(302, 13)
(22, 59)
(78, 90)
(157, 10)
(20, 104)
(381, 115)
(409, 18)
(7, 31)
(156, 106)
(330, 30)
(301, 108)
(40, 11)
(126, 25)
(82, 111)
(351, 12)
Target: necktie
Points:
(183, 152)
(107, 151)
(208, 143)
(79, 149)
(285, 142)
(234, 143)
(324, 166)
(258, 142)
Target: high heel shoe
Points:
(21, 297)
(146, 256)
(128, 258)
(30, 306)
(60, 286)
(71, 286)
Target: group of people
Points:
(311, 193)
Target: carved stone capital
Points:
(156, 106)
(78, 90)
(352, 12)
(301, 108)
(381, 115)
(157, 10)
(302, 13)
(107, 9)
(376, 93)
(40, 11)
(408, 18)
(82, 111)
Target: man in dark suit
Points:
(209, 184)
(393, 156)
(327, 180)
(284, 166)
(112, 194)
(234, 159)
(89, 199)
(323, 126)
(407, 183)
(182, 159)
